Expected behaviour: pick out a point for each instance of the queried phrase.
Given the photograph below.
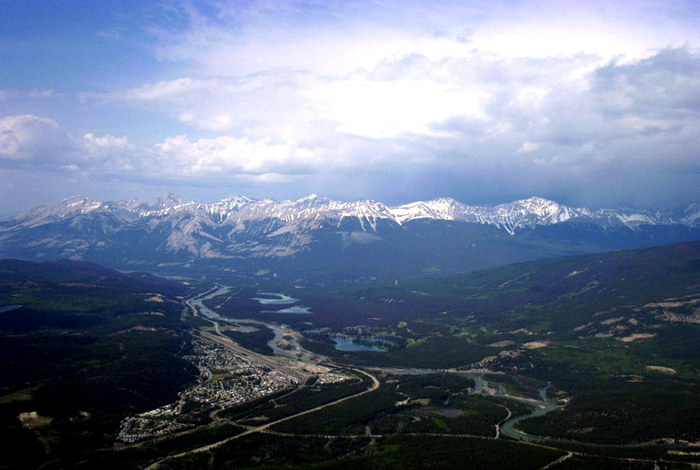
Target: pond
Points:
(9, 308)
(343, 343)
(275, 298)
(294, 310)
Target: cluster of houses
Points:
(226, 379)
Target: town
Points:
(226, 379)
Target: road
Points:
(291, 367)
(374, 386)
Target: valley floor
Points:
(585, 362)
(392, 422)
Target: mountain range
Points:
(316, 234)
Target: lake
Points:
(9, 308)
(275, 298)
(343, 343)
(292, 310)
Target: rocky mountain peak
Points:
(241, 227)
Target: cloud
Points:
(481, 120)
(543, 99)
(40, 142)
(528, 147)
(393, 100)
(457, 76)
(33, 142)
(229, 156)
(250, 104)
(665, 85)
(32, 138)
(34, 93)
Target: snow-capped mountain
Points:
(171, 228)
(528, 213)
(510, 217)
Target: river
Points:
(541, 408)
(283, 334)
(481, 386)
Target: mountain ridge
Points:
(439, 232)
(510, 216)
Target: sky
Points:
(590, 103)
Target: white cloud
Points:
(466, 112)
(528, 147)
(40, 141)
(523, 92)
(93, 142)
(232, 156)
(34, 93)
(28, 137)
(322, 75)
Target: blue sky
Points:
(590, 103)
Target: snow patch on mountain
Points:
(528, 213)
(238, 226)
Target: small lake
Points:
(292, 310)
(275, 298)
(9, 308)
(343, 343)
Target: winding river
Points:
(543, 407)
(481, 386)
(279, 330)
(507, 427)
